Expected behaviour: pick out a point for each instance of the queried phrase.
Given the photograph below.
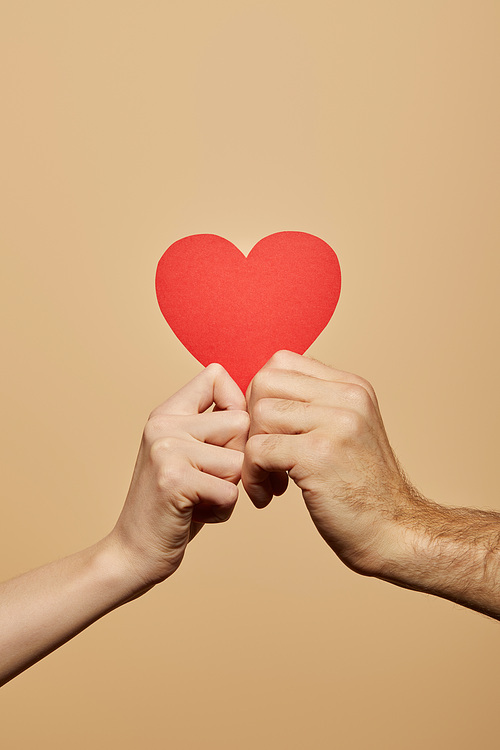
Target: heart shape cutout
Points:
(238, 311)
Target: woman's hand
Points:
(186, 473)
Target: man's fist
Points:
(323, 426)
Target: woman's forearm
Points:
(42, 609)
(186, 473)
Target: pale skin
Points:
(302, 420)
(186, 473)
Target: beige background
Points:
(127, 125)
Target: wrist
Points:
(406, 559)
(449, 552)
(116, 570)
(403, 547)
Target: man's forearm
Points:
(453, 553)
(44, 608)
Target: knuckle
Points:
(259, 382)
(172, 475)
(162, 448)
(280, 359)
(286, 405)
(154, 413)
(231, 495)
(254, 446)
(290, 405)
(270, 442)
(150, 430)
(260, 409)
(234, 466)
(238, 463)
(216, 369)
(242, 419)
(320, 445)
(367, 386)
(155, 427)
(350, 424)
(358, 395)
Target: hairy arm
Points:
(324, 428)
(449, 552)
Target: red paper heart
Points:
(238, 311)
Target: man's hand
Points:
(188, 466)
(323, 426)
